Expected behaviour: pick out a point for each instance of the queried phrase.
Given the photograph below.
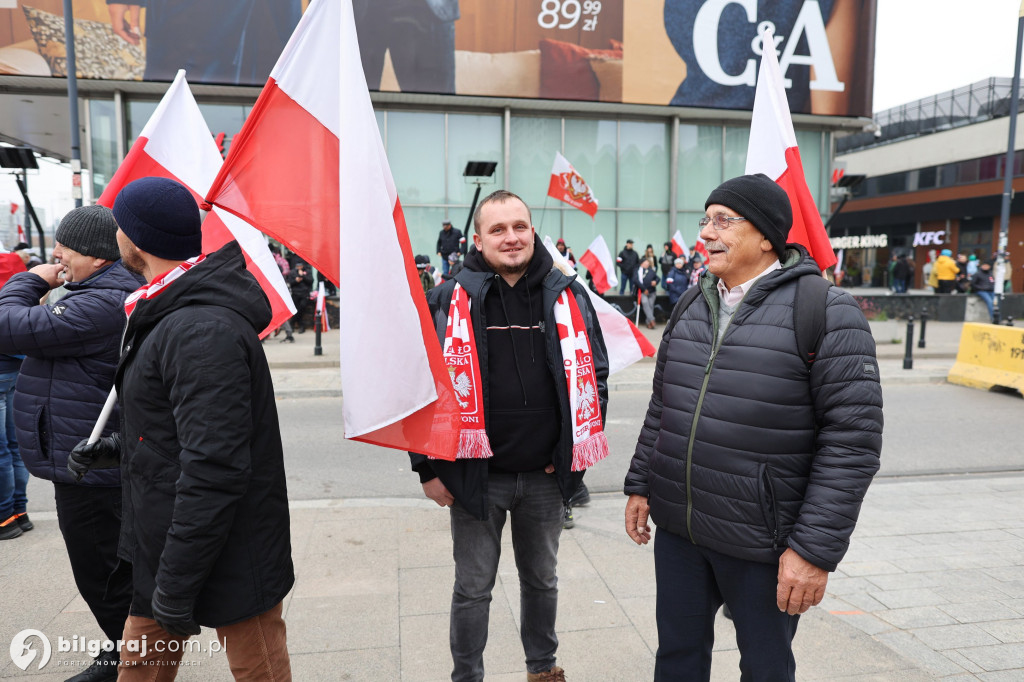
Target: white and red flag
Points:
(308, 154)
(772, 150)
(21, 230)
(321, 308)
(176, 143)
(567, 185)
(597, 259)
(679, 246)
(624, 342)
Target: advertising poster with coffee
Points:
(687, 53)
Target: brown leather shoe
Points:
(556, 674)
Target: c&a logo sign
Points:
(23, 649)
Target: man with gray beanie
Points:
(758, 447)
(206, 514)
(71, 350)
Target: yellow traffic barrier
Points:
(989, 355)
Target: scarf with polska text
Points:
(463, 363)
(589, 443)
(157, 286)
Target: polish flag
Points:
(176, 143)
(321, 308)
(679, 246)
(597, 259)
(567, 185)
(772, 150)
(21, 230)
(624, 342)
(700, 248)
(309, 153)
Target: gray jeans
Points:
(536, 507)
(647, 301)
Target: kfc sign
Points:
(929, 238)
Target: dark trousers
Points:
(693, 582)
(301, 302)
(90, 521)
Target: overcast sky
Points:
(924, 47)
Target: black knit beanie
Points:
(761, 201)
(91, 231)
(161, 217)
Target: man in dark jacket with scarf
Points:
(71, 350)
(752, 462)
(206, 523)
(516, 332)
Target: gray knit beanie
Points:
(91, 231)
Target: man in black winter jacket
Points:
(628, 261)
(513, 290)
(449, 240)
(752, 462)
(206, 518)
(71, 350)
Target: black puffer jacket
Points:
(71, 350)
(206, 505)
(745, 452)
(466, 479)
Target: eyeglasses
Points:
(720, 221)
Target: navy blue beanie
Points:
(161, 217)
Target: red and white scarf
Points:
(157, 286)
(589, 443)
(463, 364)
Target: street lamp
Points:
(477, 173)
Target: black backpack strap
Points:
(809, 315)
(688, 297)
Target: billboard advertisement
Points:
(666, 52)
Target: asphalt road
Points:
(929, 429)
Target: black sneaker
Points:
(567, 521)
(581, 497)
(10, 529)
(103, 669)
(24, 523)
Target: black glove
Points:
(103, 454)
(174, 615)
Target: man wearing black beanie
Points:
(206, 525)
(758, 447)
(71, 350)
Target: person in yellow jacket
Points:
(945, 271)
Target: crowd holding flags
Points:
(292, 173)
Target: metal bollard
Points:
(924, 322)
(908, 359)
(317, 348)
(1009, 321)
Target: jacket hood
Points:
(219, 280)
(114, 276)
(536, 271)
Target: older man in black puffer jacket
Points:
(752, 462)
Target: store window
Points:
(416, 155)
(700, 166)
(976, 237)
(643, 165)
(103, 143)
(473, 138)
(533, 141)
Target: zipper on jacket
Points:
(696, 416)
(766, 484)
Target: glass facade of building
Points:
(646, 188)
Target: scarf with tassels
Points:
(589, 443)
(463, 364)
